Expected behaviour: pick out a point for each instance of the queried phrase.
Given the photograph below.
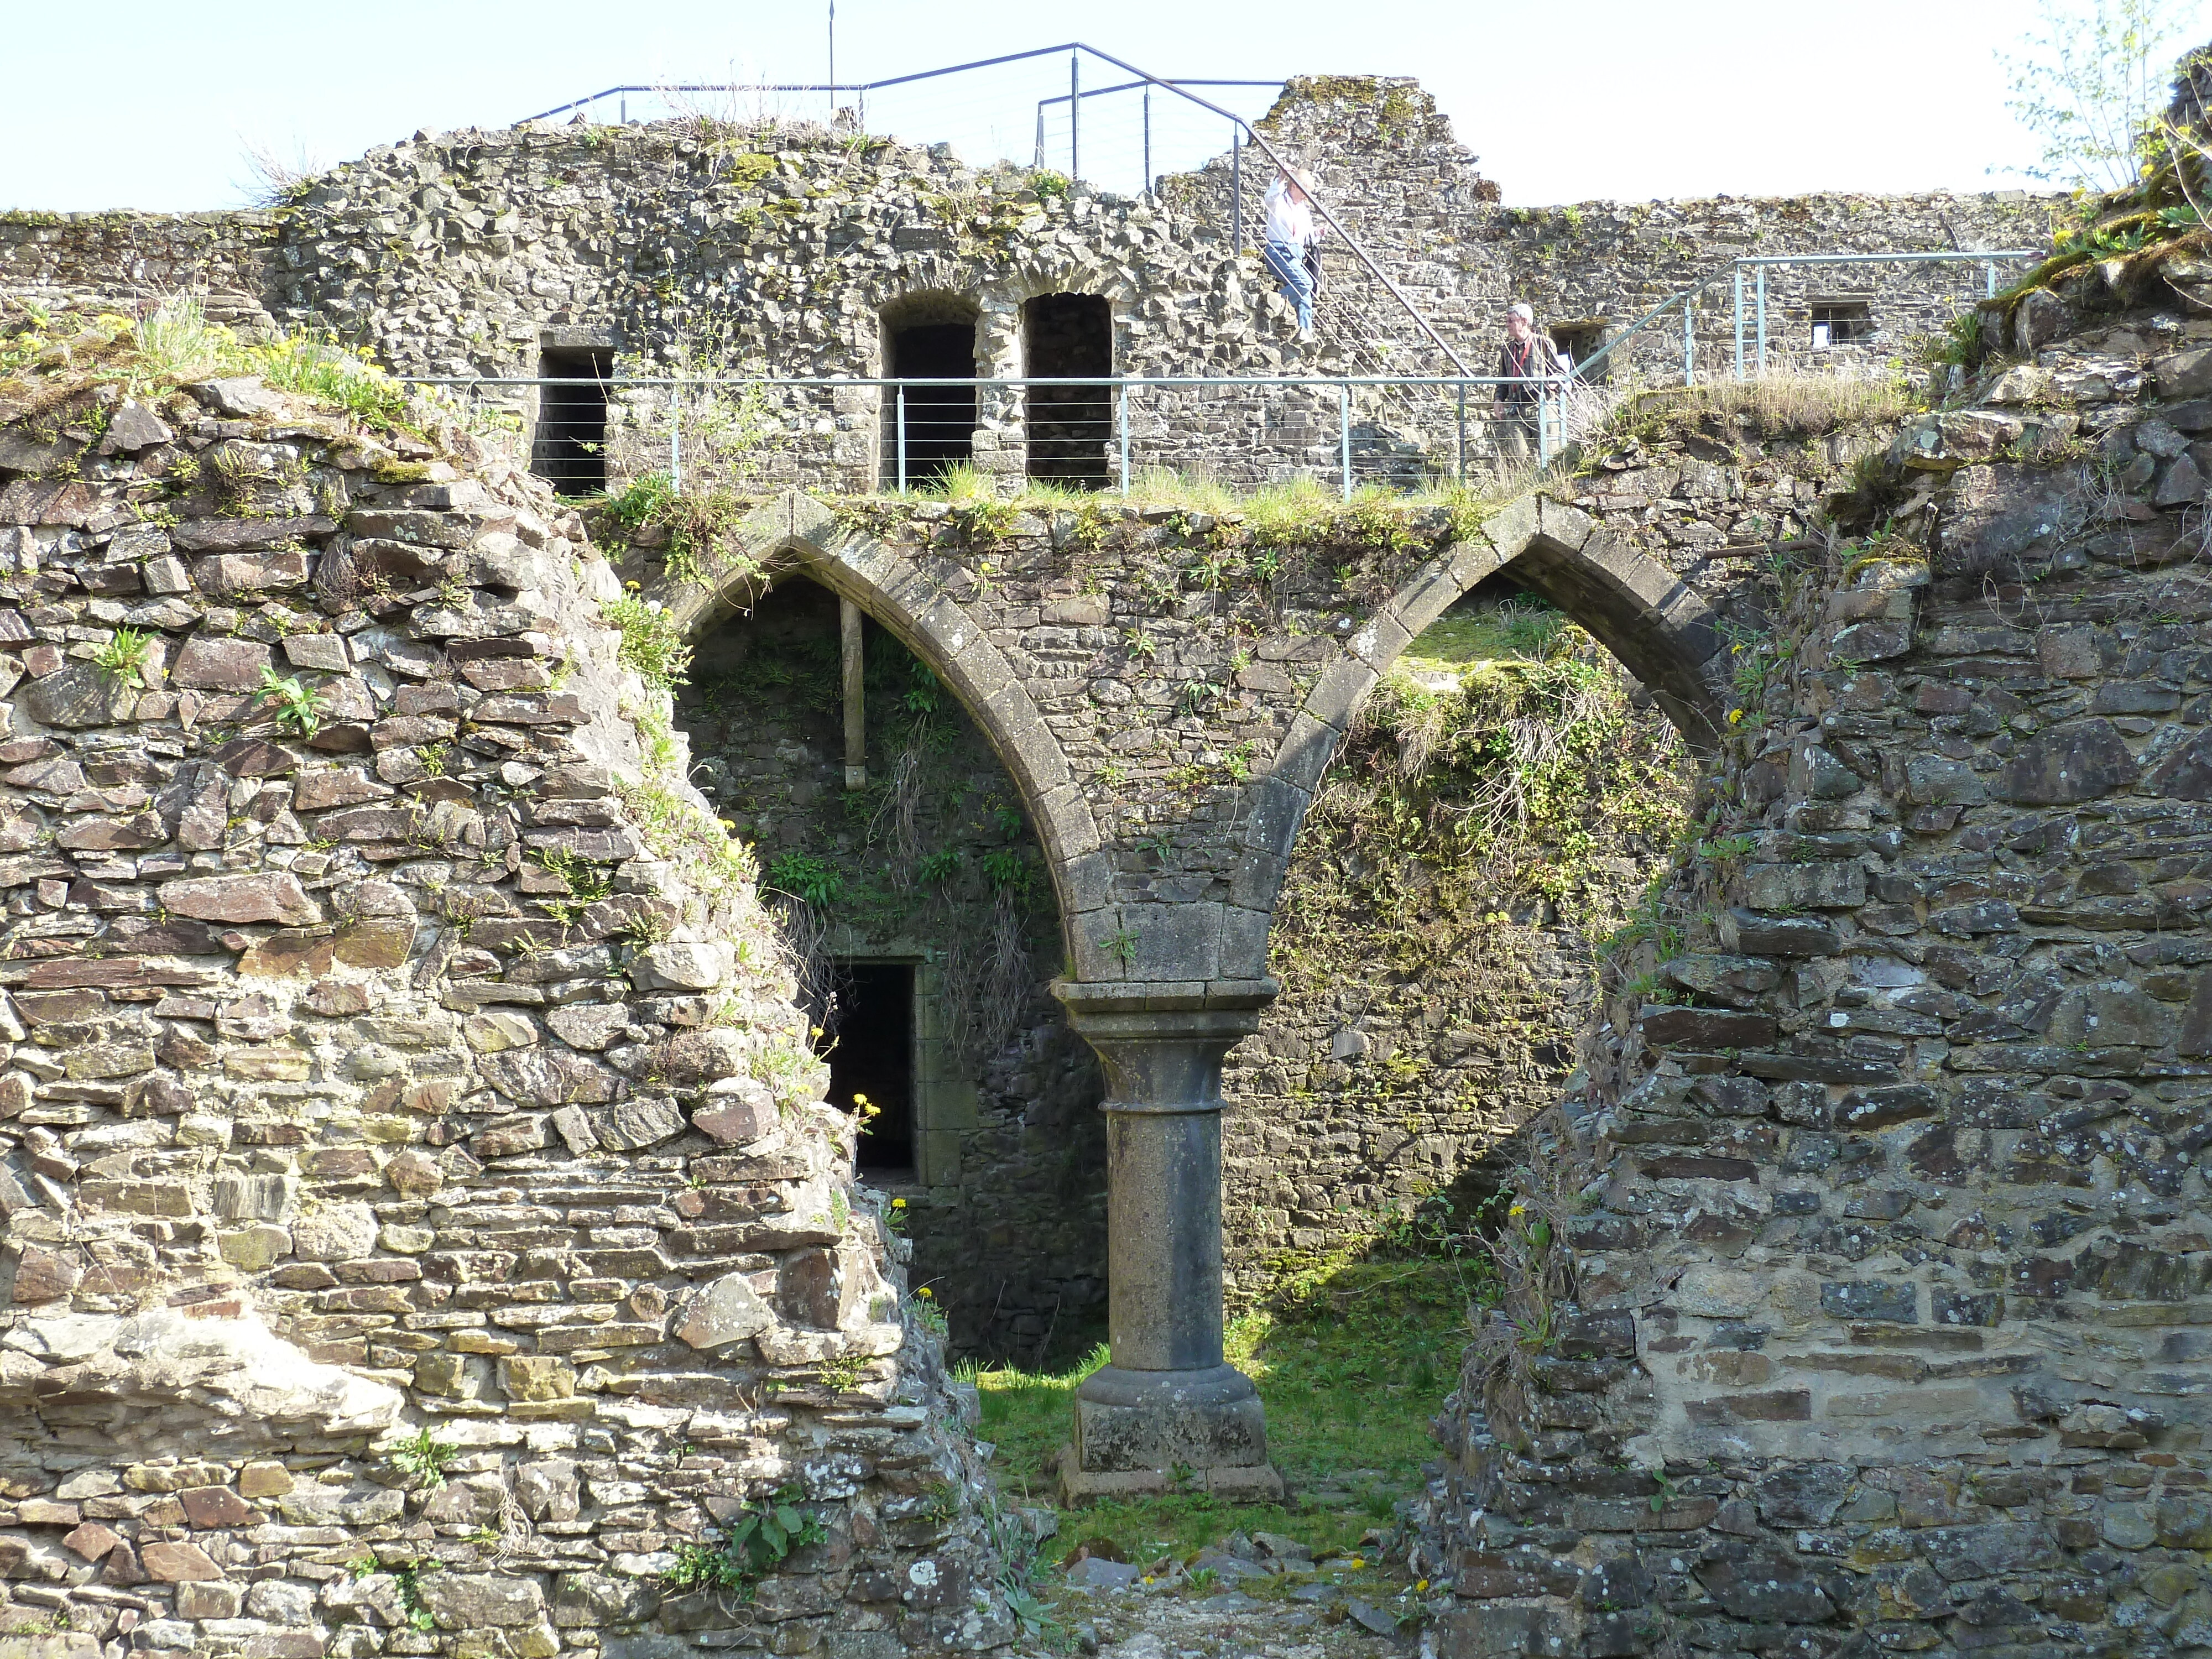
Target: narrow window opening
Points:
(1579, 342)
(1071, 427)
(870, 1035)
(571, 451)
(1841, 322)
(940, 420)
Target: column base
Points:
(1143, 1432)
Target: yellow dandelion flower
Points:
(898, 1204)
(1423, 1585)
(926, 1293)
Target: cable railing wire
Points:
(1102, 433)
(1243, 132)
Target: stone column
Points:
(1168, 1409)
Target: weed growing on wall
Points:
(1462, 794)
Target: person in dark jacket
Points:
(1525, 359)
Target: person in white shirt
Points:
(1292, 230)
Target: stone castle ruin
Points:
(432, 1225)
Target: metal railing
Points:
(1685, 301)
(1241, 133)
(1402, 431)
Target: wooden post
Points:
(856, 708)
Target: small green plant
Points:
(423, 1459)
(652, 643)
(297, 706)
(753, 1543)
(408, 1576)
(805, 876)
(122, 658)
(843, 1373)
(1007, 871)
(922, 1310)
(937, 865)
(588, 883)
(646, 500)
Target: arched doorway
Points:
(925, 934)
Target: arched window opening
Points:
(928, 428)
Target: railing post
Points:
(902, 437)
(1074, 117)
(1738, 320)
(1344, 434)
(1462, 432)
(1689, 341)
(1040, 134)
(1148, 139)
(1989, 270)
(1124, 398)
(1762, 322)
(675, 441)
(1543, 426)
(1236, 191)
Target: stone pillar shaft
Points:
(1167, 1408)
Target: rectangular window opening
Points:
(1071, 427)
(1579, 342)
(571, 447)
(1841, 322)
(870, 1036)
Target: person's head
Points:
(1299, 182)
(1520, 321)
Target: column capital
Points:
(1238, 1002)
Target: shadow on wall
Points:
(921, 904)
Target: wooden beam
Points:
(856, 708)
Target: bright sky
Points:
(149, 104)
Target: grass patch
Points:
(1352, 1361)
(1516, 628)
(176, 344)
(1774, 405)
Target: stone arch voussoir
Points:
(795, 531)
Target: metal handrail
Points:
(1549, 390)
(1072, 47)
(1688, 297)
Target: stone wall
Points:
(779, 251)
(1889, 1218)
(420, 1219)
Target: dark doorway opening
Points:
(571, 450)
(940, 426)
(872, 1023)
(1071, 427)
